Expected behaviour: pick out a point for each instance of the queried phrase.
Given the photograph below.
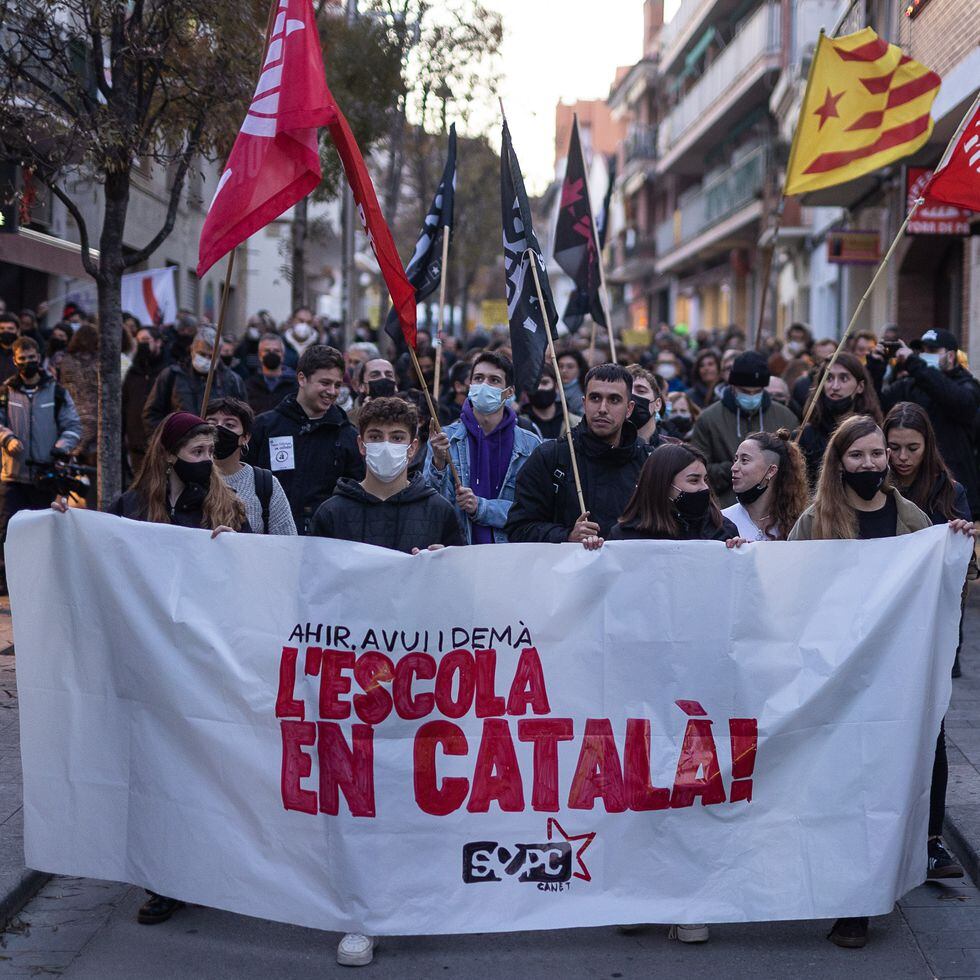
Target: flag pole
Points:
(561, 388)
(216, 353)
(440, 320)
(432, 409)
(857, 312)
(767, 267)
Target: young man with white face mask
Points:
(387, 508)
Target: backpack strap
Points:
(263, 490)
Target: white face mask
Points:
(932, 360)
(386, 460)
(201, 364)
(667, 371)
(302, 331)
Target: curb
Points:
(964, 848)
(27, 885)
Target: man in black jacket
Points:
(273, 380)
(148, 361)
(307, 439)
(951, 397)
(386, 508)
(610, 457)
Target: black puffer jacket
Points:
(323, 451)
(181, 389)
(412, 518)
(186, 512)
(951, 401)
(546, 505)
(702, 530)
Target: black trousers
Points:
(15, 497)
(937, 792)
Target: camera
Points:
(62, 476)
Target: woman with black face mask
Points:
(856, 499)
(848, 391)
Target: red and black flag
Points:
(528, 321)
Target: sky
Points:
(560, 49)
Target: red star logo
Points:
(586, 840)
(829, 108)
(571, 192)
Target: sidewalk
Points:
(18, 884)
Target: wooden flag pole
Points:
(432, 409)
(767, 267)
(216, 353)
(529, 254)
(857, 312)
(441, 318)
(595, 327)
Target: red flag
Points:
(275, 161)
(957, 178)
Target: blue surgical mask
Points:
(748, 403)
(932, 360)
(485, 398)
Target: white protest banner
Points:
(482, 739)
(151, 296)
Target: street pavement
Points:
(79, 928)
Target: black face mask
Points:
(692, 506)
(542, 397)
(865, 483)
(840, 406)
(225, 443)
(7, 337)
(198, 473)
(751, 495)
(271, 360)
(381, 388)
(226, 359)
(29, 370)
(681, 425)
(641, 411)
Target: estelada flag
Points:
(866, 105)
(956, 180)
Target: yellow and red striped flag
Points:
(866, 105)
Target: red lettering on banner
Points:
(640, 791)
(297, 765)
(745, 741)
(332, 683)
(430, 796)
(345, 768)
(372, 670)
(698, 753)
(545, 734)
(497, 775)
(528, 688)
(488, 702)
(458, 662)
(288, 706)
(410, 706)
(598, 773)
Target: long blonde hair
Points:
(833, 517)
(221, 505)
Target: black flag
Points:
(424, 271)
(575, 239)
(528, 340)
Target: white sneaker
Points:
(689, 933)
(355, 950)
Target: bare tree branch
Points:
(86, 252)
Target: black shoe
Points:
(942, 864)
(156, 909)
(850, 933)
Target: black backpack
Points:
(263, 490)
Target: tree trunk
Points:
(110, 337)
(300, 228)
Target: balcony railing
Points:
(640, 144)
(723, 195)
(758, 37)
(688, 11)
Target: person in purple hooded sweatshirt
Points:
(488, 447)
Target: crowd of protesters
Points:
(693, 438)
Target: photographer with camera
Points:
(38, 428)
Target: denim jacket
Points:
(491, 513)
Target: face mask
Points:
(485, 398)
(542, 398)
(839, 407)
(201, 364)
(667, 371)
(386, 460)
(29, 369)
(794, 347)
(693, 505)
(7, 337)
(225, 442)
(932, 360)
(56, 344)
(682, 424)
(271, 360)
(865, 483)
(381, 388)
(198, 473)
(254, 333)
(751, 495)
(748, 403)
(641, 413)
(226, 359)
(302, 331)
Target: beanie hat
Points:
(749, 370)
(176, 426)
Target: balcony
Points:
(730, 87)
(640, 144)
(710, 213)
